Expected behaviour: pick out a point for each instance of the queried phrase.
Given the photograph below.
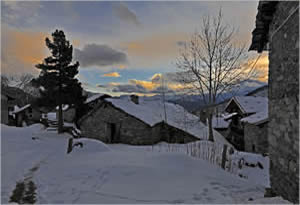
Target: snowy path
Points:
(98, 173)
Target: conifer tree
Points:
(57, 76)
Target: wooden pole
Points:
(70, 145)
(224, 156)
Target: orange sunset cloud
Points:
(113, 74)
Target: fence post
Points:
(70, 145)
(224, 156)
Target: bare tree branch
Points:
(212, 63)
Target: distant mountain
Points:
(195, 102)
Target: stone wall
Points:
(256, 138)
(283, 133)
(172, 134)
(4, 110)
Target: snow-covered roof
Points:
(152, 112)
(257, 118)
(228, 116)
(65, 107)
(250, 104)
(51, 116)
(94, 97)
(220, 123)
(17, 110)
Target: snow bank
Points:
(254, 167)
(129, 174)
(270, 200)
(90, 146)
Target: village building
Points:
(220, 124)
(26, 115)
(256, 132)
(277, 30)
(4, 109)
(240, 108)
(93, 100)
(140, 122)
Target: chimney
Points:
(134, 99)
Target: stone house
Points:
(27, 114)
(239, 108)
(221, 125)
(5, 102)
(217, 110)
(141, 122)
(4, 109)
(256, 132)
(277, 31)
(94, 100)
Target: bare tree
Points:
(16, 80)
(4, 81)
(25, 79)
(213, 62)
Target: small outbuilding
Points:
(27, 115)
(240, 107)
(256, 132)
(4, 109)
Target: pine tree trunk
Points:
(210, 129)
(60, 112)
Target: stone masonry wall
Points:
(4, 110)
(283, 133)
(171, 134)
(256, 136)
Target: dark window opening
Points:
(112, 132)
(253, 148)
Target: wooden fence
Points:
(217, 154)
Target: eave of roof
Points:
(264, 16)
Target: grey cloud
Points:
(170, 77)
(181, 43)
(134, 88)
(160, 90)
(129, 88)
(99, 55)
(125, 14)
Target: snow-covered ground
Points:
(100, 173)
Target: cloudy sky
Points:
(121, 46)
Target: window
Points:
(29, 110)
